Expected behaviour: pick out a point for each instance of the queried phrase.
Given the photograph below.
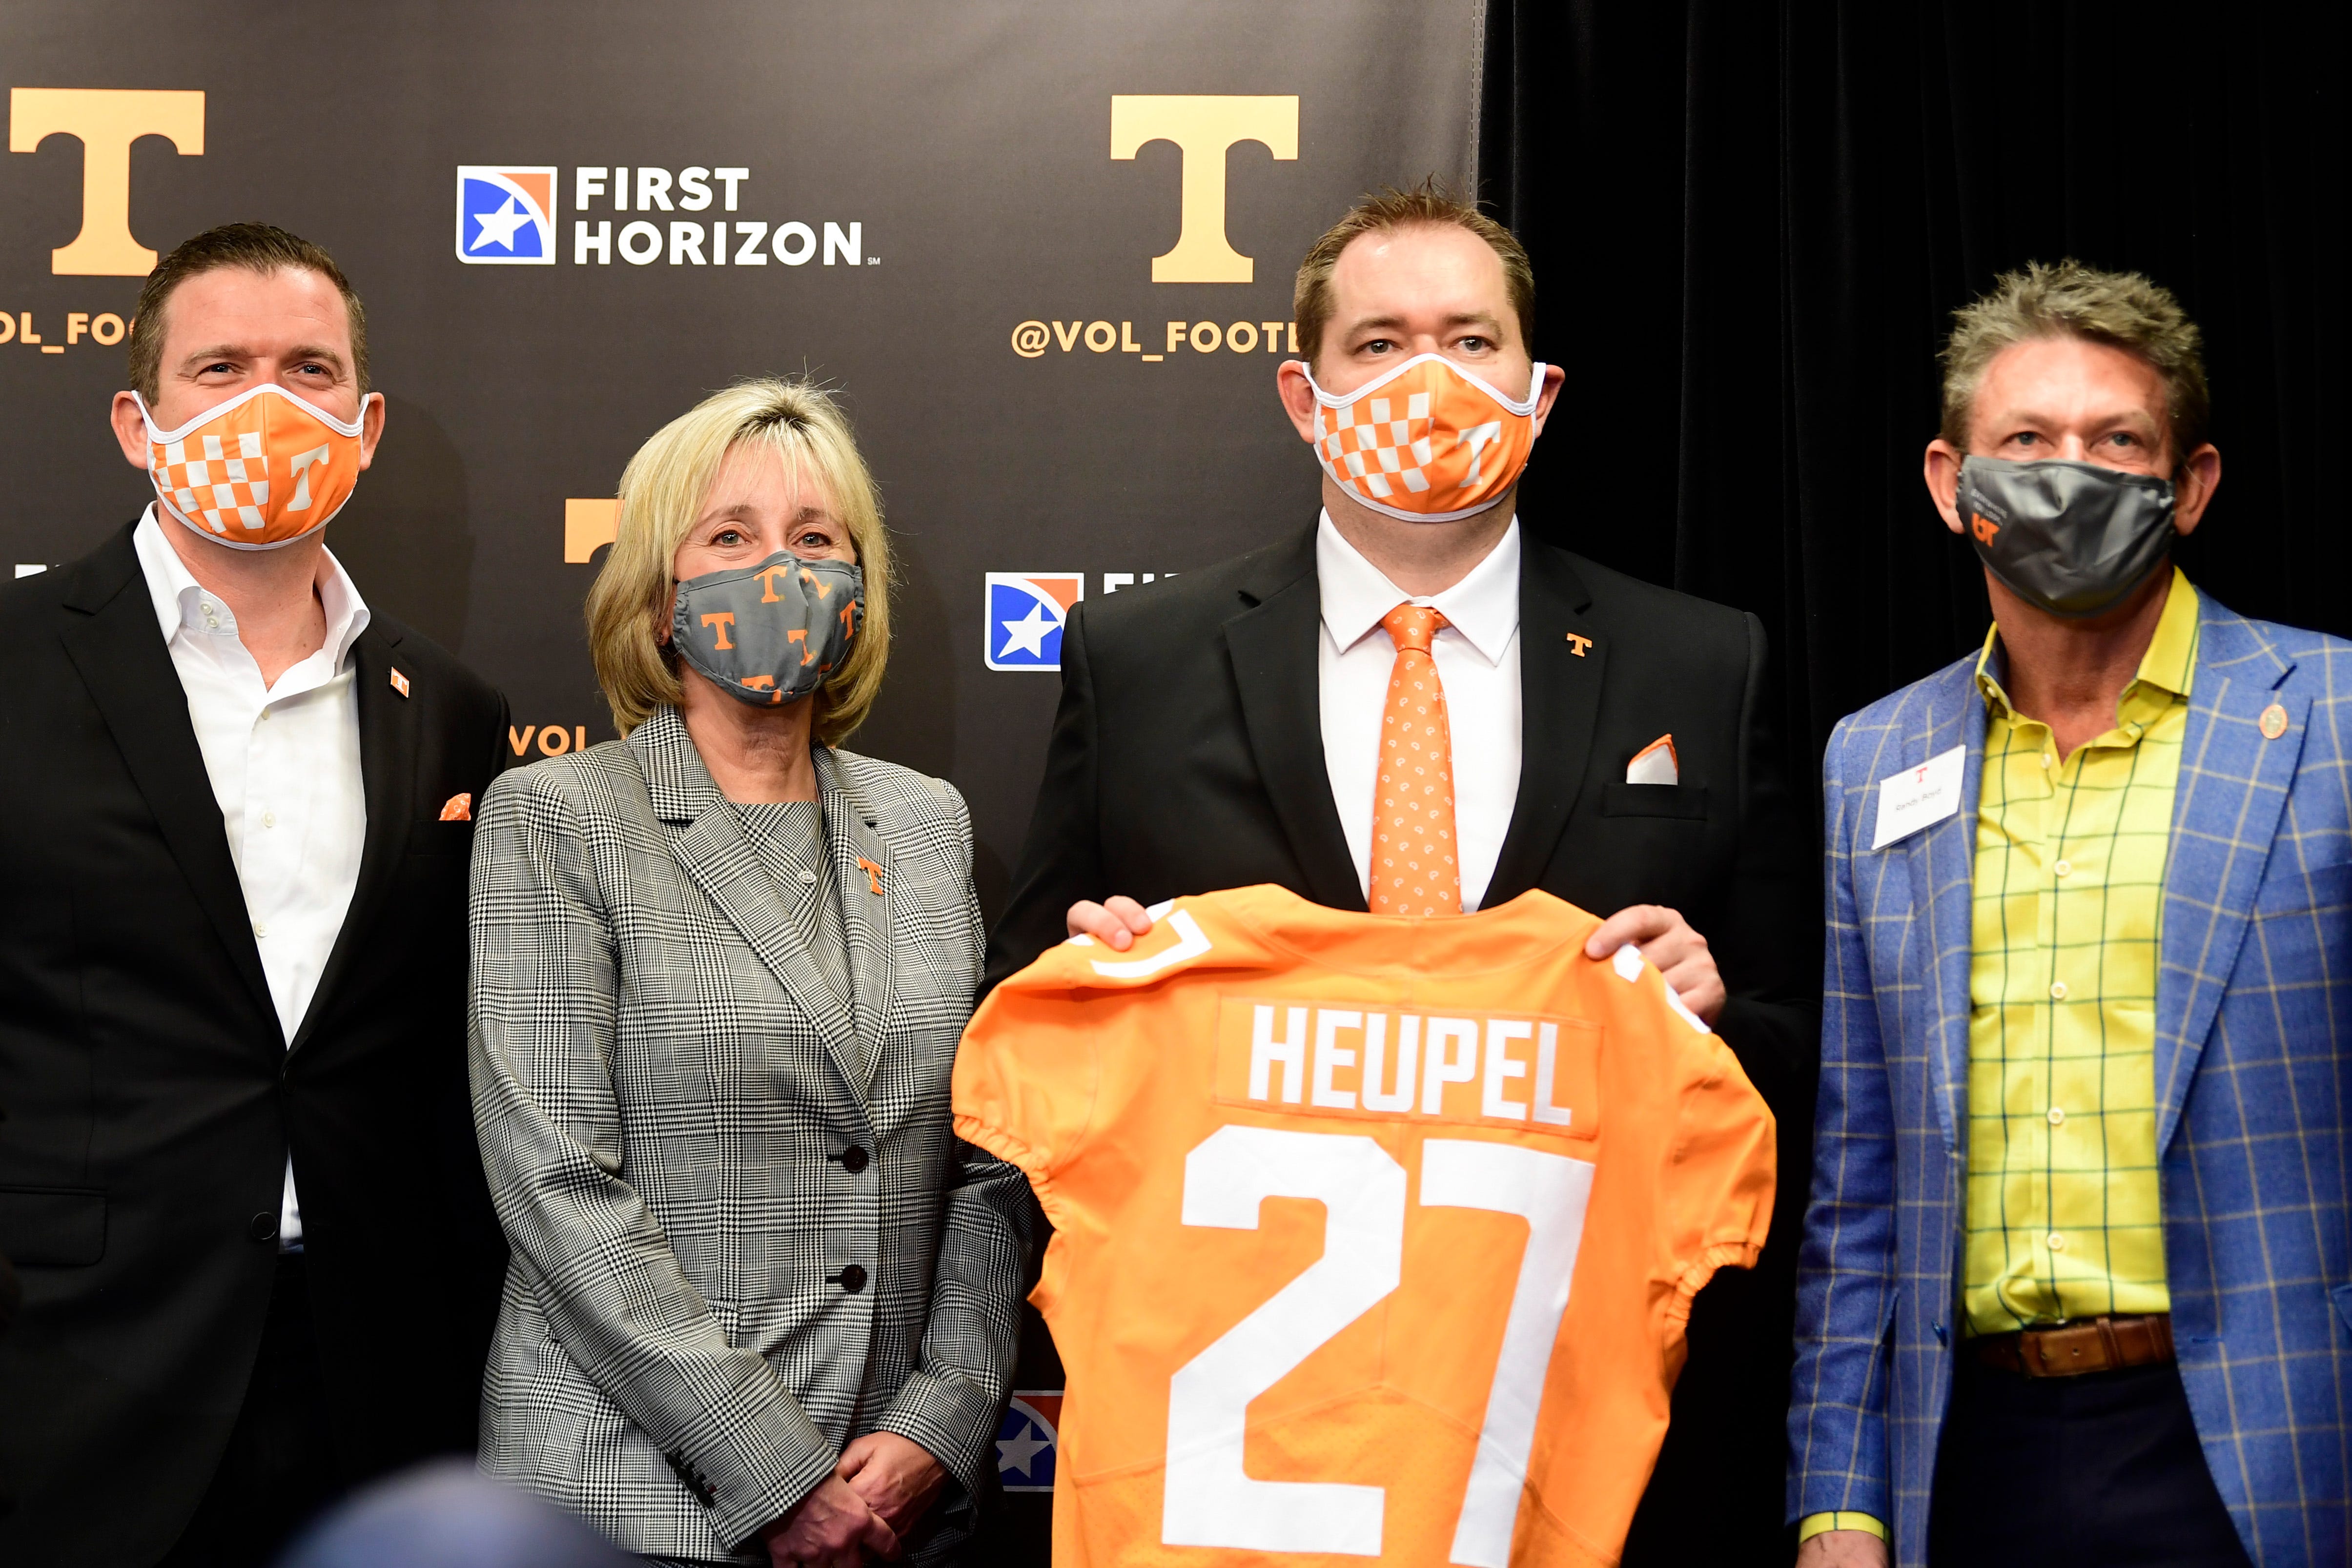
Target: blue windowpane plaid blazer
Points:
(2254, 1023)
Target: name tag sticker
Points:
(1918, 797)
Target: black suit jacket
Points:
(1188, 755)
(152, 1098)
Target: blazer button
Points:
(262, 1228)
(852, 1279)
(852, 1159)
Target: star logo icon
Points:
(1026, 1442)
(1019, 1453)
(1025, 616)
(1028, 635)
(499, 227)
(506, 214)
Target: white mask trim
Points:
(351, 427)
(1525, 408)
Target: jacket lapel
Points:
(389, 723)
(112, 637)
(2225, 812)
(1560, 702)
(861, 870)
(1277, 669)
(712, 852)
(1941, 863)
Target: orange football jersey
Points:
(1374, 1237)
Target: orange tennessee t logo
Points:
(722, 620)
(802, 638)
(873, 875)
(767, 581)
(1982, 527)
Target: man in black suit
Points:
(238, 1175)
(1226, 728)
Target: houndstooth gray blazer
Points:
(729, 1257)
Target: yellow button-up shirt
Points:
(2063, 1206)
(2063, 1216)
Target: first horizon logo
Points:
(506, 214)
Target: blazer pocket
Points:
(1688, 801)
(2322, 890)
(52, 1228)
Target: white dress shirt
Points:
(1477, 657)
(284, 762)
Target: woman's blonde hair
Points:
(661, 491)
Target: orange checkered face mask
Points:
(1428, 442)
(256, 472)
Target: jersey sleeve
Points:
(1718, 1182)
(1026, 1076)
(1033, 1073)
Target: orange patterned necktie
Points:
(1413, 866)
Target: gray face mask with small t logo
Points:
(771, 634)
(2072, 538)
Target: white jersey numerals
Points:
(1208, 1499)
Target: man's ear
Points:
(2194, 479)
(1942, 472)
(129, 429)
(1297, 396)
(370, 427)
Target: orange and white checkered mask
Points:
(1428, 442)
(256, 472)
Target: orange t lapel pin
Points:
(1576, 645)
(873, 876)
(400, 682)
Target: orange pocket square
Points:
(460, 808)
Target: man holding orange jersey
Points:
(1411, 707)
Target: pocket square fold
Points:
(458, 808)
(1655, 764)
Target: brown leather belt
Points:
(2082, 1345)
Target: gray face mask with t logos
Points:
(2072, 538)
(770, 634)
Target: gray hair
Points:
(2122, 309)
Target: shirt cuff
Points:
(1815, 1524)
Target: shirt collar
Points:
(2170, 665)
(1484, 606)
(179, 598)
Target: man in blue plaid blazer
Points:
(1954, 1399)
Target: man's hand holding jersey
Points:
(1667, 940)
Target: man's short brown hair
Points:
(1427, 205)
(256, 247)
(2122, 309)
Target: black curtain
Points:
(1750, 224)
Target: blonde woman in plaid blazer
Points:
(761, 1301)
